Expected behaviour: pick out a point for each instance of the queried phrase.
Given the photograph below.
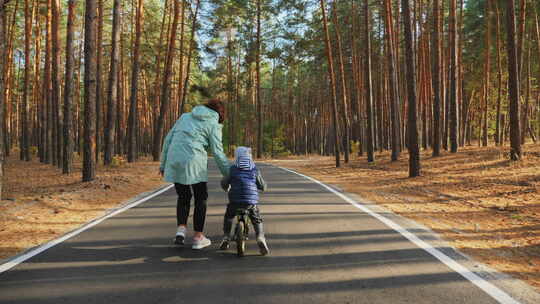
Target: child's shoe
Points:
(180, 235)
(261, 240)
(263, 247)
(225, 243)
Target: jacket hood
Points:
(243, 159)
(203, 113)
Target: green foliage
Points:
(118, 161)
(355, 147)
(274, 139)
(33, 150)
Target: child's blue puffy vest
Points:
(243, 186)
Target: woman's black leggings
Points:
(200, 192)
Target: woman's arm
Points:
(226, 183)
(165, 149)
(216, 146)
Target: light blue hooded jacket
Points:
(184, 158)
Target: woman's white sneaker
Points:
(201, 243)
(180, 235)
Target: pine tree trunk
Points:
(537, 26)
(513, 82)
(343, 81)
(157, 83)
(120, 109)
(112, 90)
(99, 82)
(331, 74)
(165, 88)
(498, 137)
(412, 126)
(37, 88)
(453, 98)
(68, 90)
(90, 54)
(258, 85)
(133, 109)
(525, 120)
(521, 34)
(3, 56)
(25, 128)
(487, 73)
(56, 80)
(49, 154)
(436, 81)
(180, 92)
(370, 147)
(393, 82)
(191, 46)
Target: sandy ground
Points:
(484, 204)
(39, 203)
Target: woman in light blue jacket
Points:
(184, 162)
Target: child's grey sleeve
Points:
(261, 184)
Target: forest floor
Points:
(40, 203)
(477, 199)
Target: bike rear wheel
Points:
(240, 239)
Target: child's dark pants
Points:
(253, 213)
(200, 192)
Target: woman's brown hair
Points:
(218, 106)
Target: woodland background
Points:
(107, 79)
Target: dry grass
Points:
(40, 203)
(484, 204)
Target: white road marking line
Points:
(490, 289)
(16, 261)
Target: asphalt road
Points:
(323, 250)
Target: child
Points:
(244, 179)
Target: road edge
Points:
(513, 290)
(9, 263)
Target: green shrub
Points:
(33, 150)
(118, 161)
(355, 147)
